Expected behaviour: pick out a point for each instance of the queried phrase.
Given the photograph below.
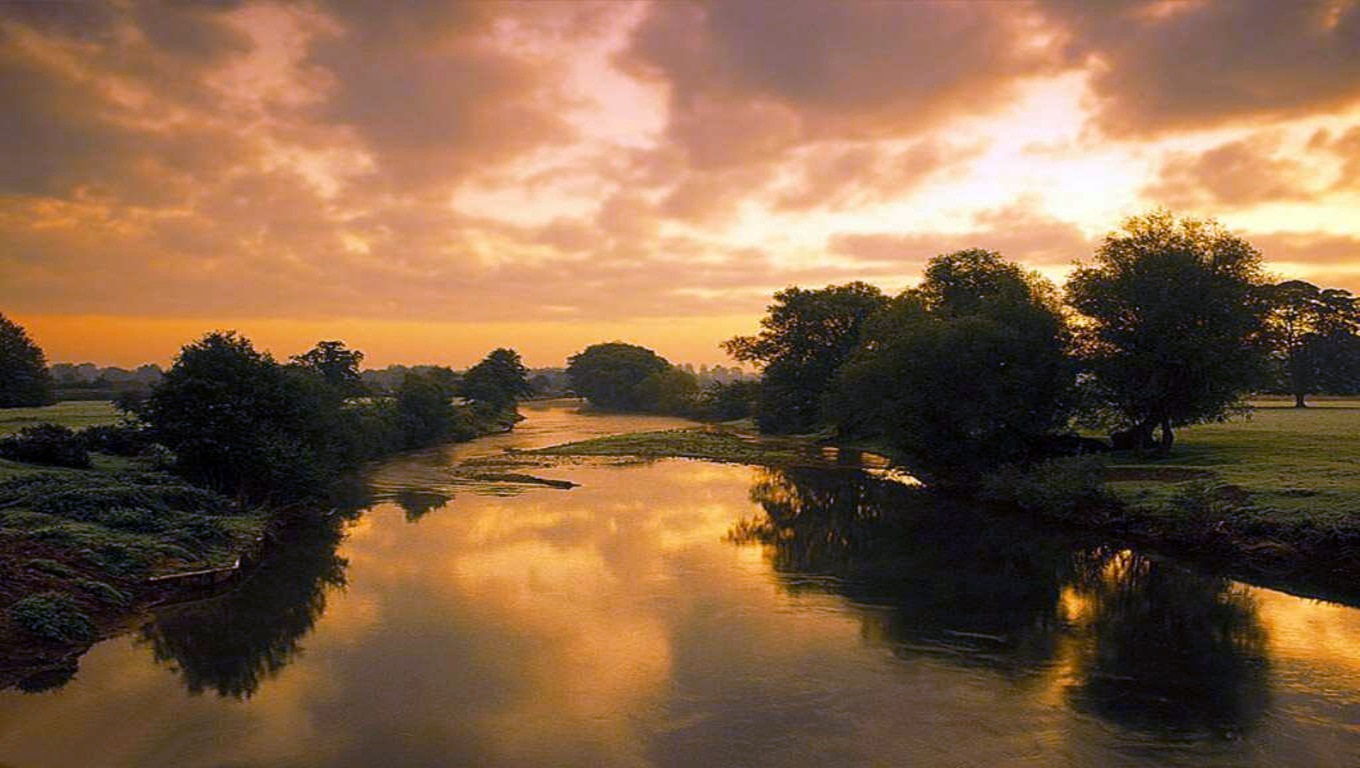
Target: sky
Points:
(428, 181)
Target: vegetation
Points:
(965, 373)
(48, 444)
(53, 616)
(712, 445)
(805, 337)
(496, 383)
(1172, 324)
(73, 414)
(627, 377)
(24, 378)
(336, 365)
(1315, 340)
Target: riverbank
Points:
(1274, 498)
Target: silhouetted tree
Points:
(1310, 329)
(497, 382)
(239, 422)
(336, 364)
(1173, 322)
(24, 378)
(611, 375)
(805, 337)
(964, 373)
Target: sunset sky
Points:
(429, 181)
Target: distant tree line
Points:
(628, 377)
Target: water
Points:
(684, 613)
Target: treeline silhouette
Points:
(984, 364)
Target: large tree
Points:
(497, 382)
(1313, 331)
(613, 375)
(241, 423)
(1172, 324)
(805, 337)
(24, 378)
(963, 373)
(337, 364)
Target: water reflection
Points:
(234, 643)
(1140, 642)
(417, 503)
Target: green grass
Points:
(75, 414)
(1293, 462)
(682, 443)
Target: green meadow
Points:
(75, 414)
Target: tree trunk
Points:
(1298, 400)
(1168, 438)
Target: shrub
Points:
(116, 439)
(48, 444)
(53, 616)
(1069, 487)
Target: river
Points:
(682, 613)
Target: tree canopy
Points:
(1172, 325)
(963, 373)
(24, 378)
(335, 363)
(805, 337)
(1314, 333)
(612, 375)
(497, 382)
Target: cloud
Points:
(1018, 231)
(1159, 67)
(747, 82)
(1237, 173)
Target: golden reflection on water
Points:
(618, 623)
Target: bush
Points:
(53, 616)
(116, 439)
(48, 444)
(1069, 488)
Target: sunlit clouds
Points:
(573, 172)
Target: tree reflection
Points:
(1171, 651)
(419, 503)
(233, 643)
(1151, 646)
(980, 589)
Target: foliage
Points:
(1173, 322)
(425, 413)
(54, 616)
(1068, 488)
(670, 391)
(116, 439)
(48, 444)
(241, 423)
(963, 374)
(805, 337)
(497, 382)
(336, 364)
(1314, 335)
(728, 402)
(611, 375)
(679, 443)
(24, 378)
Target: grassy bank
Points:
(76, 414)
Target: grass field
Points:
(74, 414)
(1294, 462)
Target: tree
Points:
(805, 337)
(24, 378)
(338, 366)
(962, 374)
(1312, 329)
(425, 410)
(673, 390)
(611, 375)
(497, 382)
(1172, 324)
(239, 422)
